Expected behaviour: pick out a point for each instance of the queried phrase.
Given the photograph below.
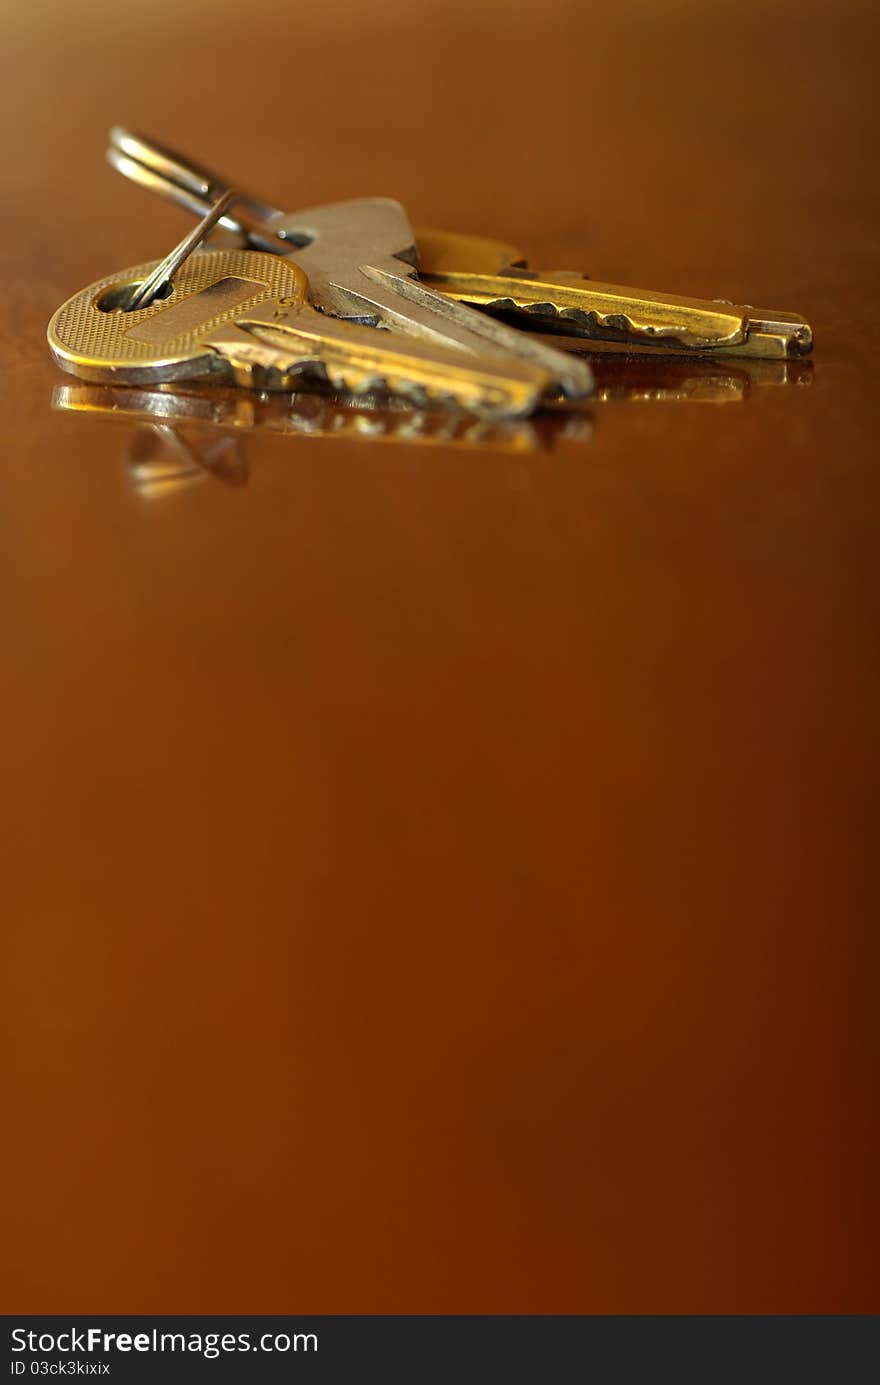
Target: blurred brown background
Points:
(443, 878)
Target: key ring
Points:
(162, 277)
(161, 170)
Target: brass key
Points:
(243, 314)
(492, 275)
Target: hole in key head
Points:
(117, 299)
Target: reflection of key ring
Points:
(189, 459)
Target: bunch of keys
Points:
(347, 296)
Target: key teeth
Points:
(591, 320)
(289, 370)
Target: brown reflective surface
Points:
(437, 870)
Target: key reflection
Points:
(313, 414)
(622, 377)
(189, 436)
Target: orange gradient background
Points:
(439, 880)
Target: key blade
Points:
(417, 308)
(468, 268)
(364, 360)
(607, 312)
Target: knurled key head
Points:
(94, 337)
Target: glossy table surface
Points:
(438, 871)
